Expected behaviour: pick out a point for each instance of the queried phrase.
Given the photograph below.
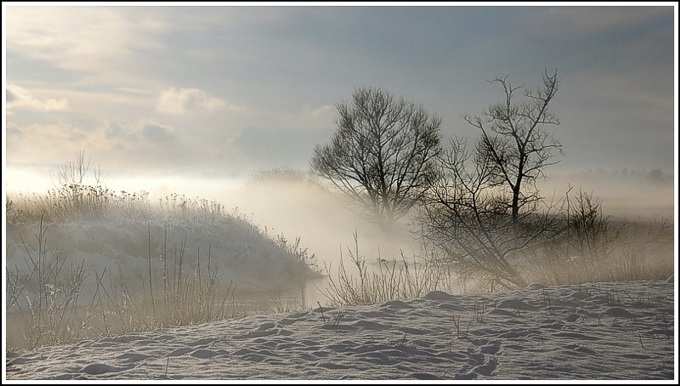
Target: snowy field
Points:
(599, 331)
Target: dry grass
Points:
(630, 251)
(642, 250)
(50, 313)
(390, 279)
(46, 306)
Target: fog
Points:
(326, 223)
(624, 194)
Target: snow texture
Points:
(599, 331)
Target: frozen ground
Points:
(601, 331)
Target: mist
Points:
(624, 194)
(326, 222)
(330, 227)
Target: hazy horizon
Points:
(635, 191)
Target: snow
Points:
(238, 250)
(598, 331)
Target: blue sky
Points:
(217, 92)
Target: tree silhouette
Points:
(382, 154)
(485, 210)
(516, 141)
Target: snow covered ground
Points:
(233, 247)
(599, 331)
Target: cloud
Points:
(185, 100)
(131, 133)
(45, 143)
(10, 96)
(20, 98)
(115, 131)
(101, 41)
(157, 133)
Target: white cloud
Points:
(100, 41)
(45, 143)
(184, 100)
(20, 98)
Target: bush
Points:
(593, 248)
(285, 174)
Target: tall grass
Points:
(77, 202)
(45, 307)
(47, 296)
(597, 249)
(170, 297)
(642, 250)
(391, 279)
(46, 304)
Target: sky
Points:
(200, 97)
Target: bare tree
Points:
(486, 211)
(515, 137)
(467, 217)
(382, 154)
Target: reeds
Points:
(79, 201)
(178, 286)
(391, 279)
(642, 251)
(49, 315)
(47, 310)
